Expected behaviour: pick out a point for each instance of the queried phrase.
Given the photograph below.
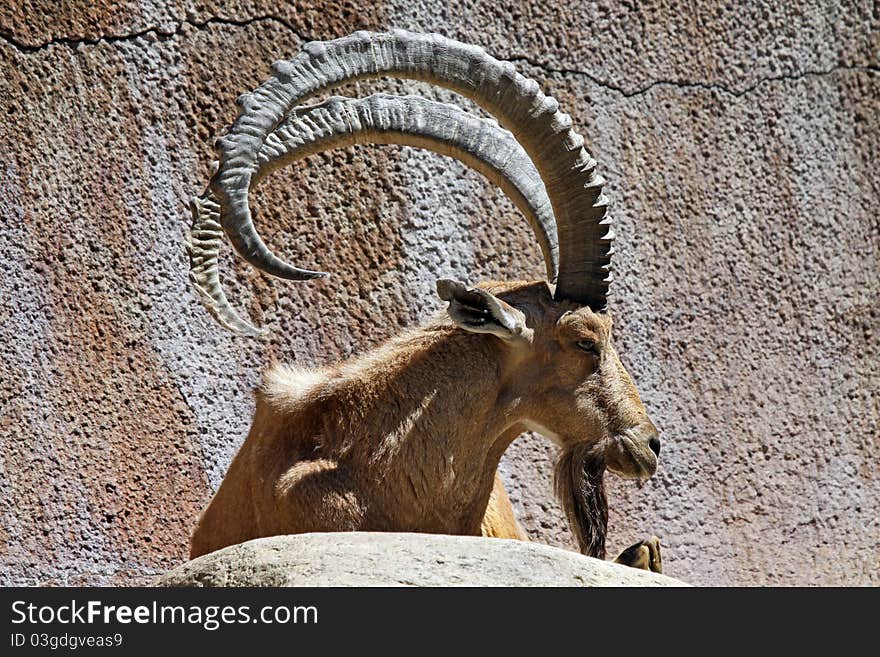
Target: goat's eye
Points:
(589, 346)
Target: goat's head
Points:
(560, 341)
(562, 371)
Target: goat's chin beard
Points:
(580, 487)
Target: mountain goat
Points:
(408, 436)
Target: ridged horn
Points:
(203, 246)
(568, 171)
(381, 118)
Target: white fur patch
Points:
(288, 384)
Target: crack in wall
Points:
(7, 36)
(685, 84)
(163, 34)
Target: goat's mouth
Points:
(629, 455)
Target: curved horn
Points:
(203, 246)
(568, 171)
(380, 118)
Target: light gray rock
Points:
(390, 559)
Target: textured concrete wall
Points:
(740, 145)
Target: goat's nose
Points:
(654, 444)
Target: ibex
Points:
(408, 437)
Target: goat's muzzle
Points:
(633, 453)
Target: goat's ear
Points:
(478, 311)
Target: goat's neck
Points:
(437, 415)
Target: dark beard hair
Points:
(580, 486)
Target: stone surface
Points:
(740, 144)
(388, 559)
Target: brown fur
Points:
(408, 437)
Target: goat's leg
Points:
(644, 555)
(498, 520)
